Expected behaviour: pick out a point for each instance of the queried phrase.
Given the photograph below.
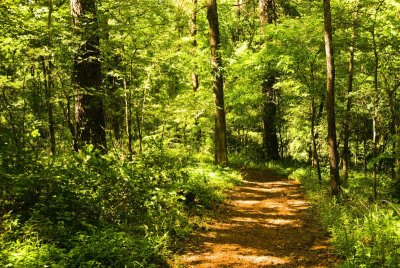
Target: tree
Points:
(221, 152)
(330, 101)
(270, 138)
(346, 125)
(89, 111)
(193, 34)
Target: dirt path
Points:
(269, 225)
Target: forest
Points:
(125, 125)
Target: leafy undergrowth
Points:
(92, 210)
(366, 233)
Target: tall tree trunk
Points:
(193, 34)
(128, 118)
(221, 151)
(280, 133)
(270, 137)
(89, 110)
(66, 109)
(315, 119)
(374, 119)
(391, 94)
(48, 93)
(114, 102)
(139, 130)
(346, 125)
(365, 154)
(392, 103)
(48, 83)
(375, 152)
(315, 158)
(237, 31)
(397, 144)
(267, 12)
(330, 101)
(14, 128)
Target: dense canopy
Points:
(121, 121)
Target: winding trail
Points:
(268, 224)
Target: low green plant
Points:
(91, 210)
(364, 232)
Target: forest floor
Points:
(268, 223)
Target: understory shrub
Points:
(93, 210)
(365, 232)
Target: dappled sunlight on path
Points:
(269, 224)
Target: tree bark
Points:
(89, 110)
(346, 125)
(128, 119)
(391, 94)
(393, 126)
(270, 137)
(66, 109)
(14, 128)
(315, 119)
(48, 83)
(48, 93)
(193, 34)
(330, 102)
(221, 151)
(374, 119)
(315, 158)
(237, 31)
(267, 12)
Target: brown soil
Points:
(269, 224)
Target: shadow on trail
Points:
(269, 224)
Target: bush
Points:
(364, 233)
(93, 210)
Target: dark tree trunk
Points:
(48, 93)
(346, 125)
(128, 119)
(89, 110)
(270, 137)
(114, 104)
(374, 119)
(280, 133)
(391, 94)
(365, 155)
(330, 101)
(14, 128)
(315, 119)
(315, 158)
(267, 12)
(193, 34)
(396, 153)
(375, 152)
(139, 131)
(221, 152)
(67, 117)
(393, 120)
(48, 83)
(238, 31)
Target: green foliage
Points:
(364, 233)
(207, 184)
(92, 210)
